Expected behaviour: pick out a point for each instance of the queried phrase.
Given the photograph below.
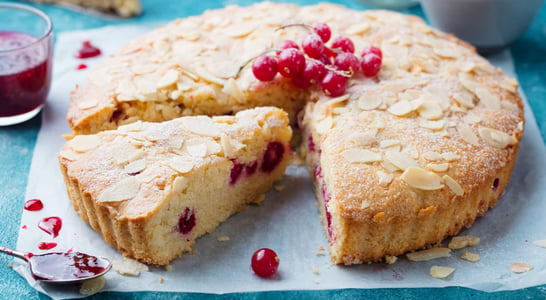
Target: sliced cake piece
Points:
(151, 189)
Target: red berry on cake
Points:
(265, 262)
(323, 30)
(370, 63)
(343, 44)
(265, 67)
(347, 62)
(313, 46)
(291, 62)
(334, 84)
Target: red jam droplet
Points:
(87, 51)
(51, 225)
(47, 246)
(33, 205)
(81, 67)
(59, 266)
(187, 221)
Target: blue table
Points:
(17, 145)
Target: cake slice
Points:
(151, 189)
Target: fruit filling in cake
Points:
(151, 189)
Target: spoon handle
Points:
(11, 252)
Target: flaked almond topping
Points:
(201, 126)
(468, 135)
(470, 256)
(496, 138)
(422, 179)
(462, 241)
(84, 143)
(450, 156)
(365, 204)
(453, 185)
(384, 178)
(140, 69)
(429, 254)
(442, 167)
(87, 103)
(509, 84)
(389, 143)
(230, 146)
(68, 154)
(124, 189)
(361, 156)
(358, 29)
(223, 238)
(136, 166)
(487, 98)
(324, 125)
(239, 30)
(432, 156)
(432, 125)
(179, 184)
(401, 108)
(182, 165)
(207, 76)
(170, 78)
(430, 110)
(540, 243)
(441, 272)
(446, 52)
(400, 159)
(464, 98)
(197, 149)
(369, 103)
(519, 268)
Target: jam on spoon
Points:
(60, 268)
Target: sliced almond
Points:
(129, 267)
(469, 256)
(519, 268)
(69, 154)
(384, 178)
(422, 179)
(468, 135)
(441, 272)
(369, 103)
(464, 98)
(87, 103)
(170, 78)
(462, 241)
(135, 167)
(496, 138)
(324, 125)
(450, 156)
(358, 29)
(401, 108)
(389, 143)
(487, 98)
(429, 254)
(124, 189)
(438, 167)
(201, 126)
(453, 185)
(197, 149)
(432, 156)
(182, 165)
(401, 160)
(361, 156)
(84, 143)
(430, 110)
(432, 125)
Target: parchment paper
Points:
(287, 221)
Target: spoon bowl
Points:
(63, 267)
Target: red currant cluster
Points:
(316, 63)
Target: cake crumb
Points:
(160, 279)
(390, 259)
(223, 238)
(316, 281)
(469, 256)
(540, 243)
(459, 242)
(315, 271)
(92, 286)
(279, 187)
(429, 254)
(129, 267)
(519, 268)
(320, 251)
(169, 268)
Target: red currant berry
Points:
(313, 46)
(291, 62)
(343, 44)
(323, 31)
(265, 262)
(314, 72)
(347, 62)
(370, 64)
(300, 82)
(334, 84)
(264, 68)
(372, 49)
(286, 44)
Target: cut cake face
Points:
(152, 188)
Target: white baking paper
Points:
(287, 221)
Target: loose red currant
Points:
(313, 46)
(372, 49)
(334, 84)
(291, 62)
(264, 67)
(347, 62)
(370, 64)
(323, 31)
(265, 262)
(286, 44)
(343, 44)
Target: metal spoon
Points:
(62, 267)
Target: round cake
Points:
(400, 160)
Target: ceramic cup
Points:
(490, 25)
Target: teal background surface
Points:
(17, 146)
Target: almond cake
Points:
(151, 189)
(400, 161)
